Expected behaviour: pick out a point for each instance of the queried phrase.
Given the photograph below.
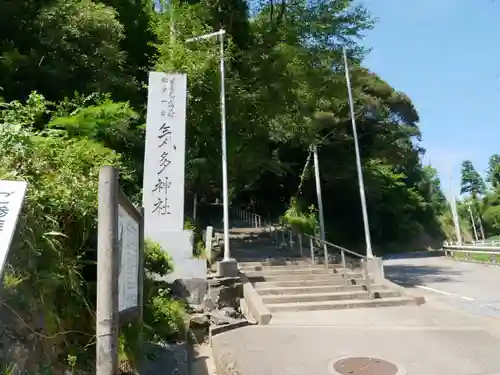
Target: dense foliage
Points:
(479, 208)
(50, 281)
(88, 60)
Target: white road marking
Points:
(434, 290)
(467, 298)
(493, 306)
(445, 293)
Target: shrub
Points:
(51, 272)
(164, 318)
(300, 221)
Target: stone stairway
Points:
(282, 280)
(298, 285)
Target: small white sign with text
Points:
(11, 200)
(128, 247)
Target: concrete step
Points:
(263, 267)
(259, 277)
(290, 290)
(330, 281)
(319, 297)
(340, 305)
(295, 271)
(279, 262)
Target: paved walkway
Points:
(437, 338)
(431, 339)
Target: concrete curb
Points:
(214, 330)
(254, 302)
(418, 298)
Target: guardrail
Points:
(349, 259)
(486, 243)
(489, 253)
(482, 243)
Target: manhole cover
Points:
(365, 366)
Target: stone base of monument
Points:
(227, 268)
(189, 275)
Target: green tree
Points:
(472, 181)
(59, 47)
(493, 173)
(432, 186)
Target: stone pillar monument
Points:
(163, 186)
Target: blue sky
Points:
(445, 55)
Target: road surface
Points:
(472, 287)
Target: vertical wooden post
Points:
(140, 292)
(107, 274)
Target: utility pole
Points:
(318, 193)
(172, 22)
(481, 226)
(454, 212)
(481, 229)
(229, 265)
(473, 223)
(364, 211)
(453, 205)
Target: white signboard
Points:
(163, 187)
(128, 247)
(11, 200)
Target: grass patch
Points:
(483, 258)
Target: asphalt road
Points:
(472, 287)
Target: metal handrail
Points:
(336, 246)
(284, 229)
(255, 220)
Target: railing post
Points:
(291, 239)
(282, 235)
(311, 245)
(325, 252)
(367, 277)
(300, 243)
(344, 266)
